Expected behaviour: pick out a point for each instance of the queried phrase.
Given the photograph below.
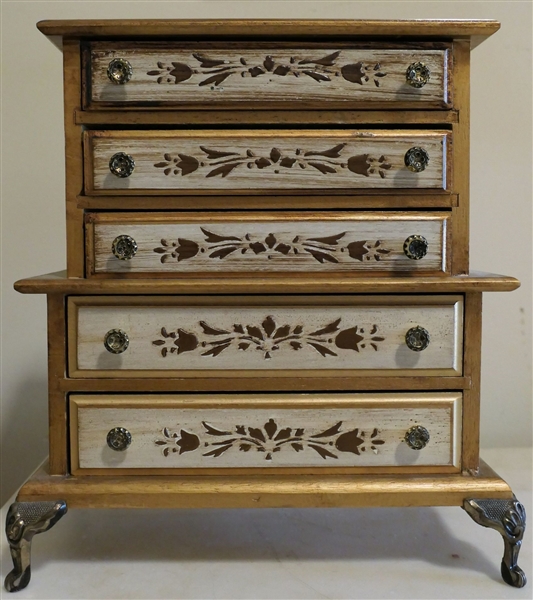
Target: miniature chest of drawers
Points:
(267, 299)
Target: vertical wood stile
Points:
(73, 157)
(57, 405)
(461, 157)
(472, 369)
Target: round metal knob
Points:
(119, 439)
(119, 71)
(415, 247)
(417, 74)
(417, 339)
(116, 341)
(121, 164)
(416, 159)
(417, 437)
(124, 247)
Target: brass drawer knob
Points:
(417, 437)
(119, 71)
(124, 247)
(417, 339)
(415, 247)
(121, 164)
(416, 159)
(116, 341)
(119, 439)
(417, 74)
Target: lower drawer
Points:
(153, 434)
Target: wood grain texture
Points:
(264, 432)
(264, 491)
(461, 159)
(170, 244)
(475, 29)
(57, 405)
(260, 382)
(472, 369)
(337, 117)
(73, 157)
(263, 160)
(318, 283)
(244, 335)
(234, 74)
(295, 200)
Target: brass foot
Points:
(23, 521)
(508, 517)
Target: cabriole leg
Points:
(508, 517)
(23, 521)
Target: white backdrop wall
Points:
(33, 221)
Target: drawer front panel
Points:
(171, 244)
(247, 336)
(181, 75)
(267, 431)
(202, 162)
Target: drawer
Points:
(292, 76)
(409, 432)
(265, 161)
(273, 336)
(169, 244)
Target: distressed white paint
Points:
(143, 325)
(242, 87)
(439, 413)
(149, 148)
(179, 238)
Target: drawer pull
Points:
(416, 159)
(122, 164)
(119, 439)
(124, 247)
(116, 341)
(417, 437)
(417, 339)
(415, 247)
(119, 71)
(417, 74)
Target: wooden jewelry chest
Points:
(267, 300)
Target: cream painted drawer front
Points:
(282, 430)
(244, 336)
(262, 160)
(192, 75)
(174, 243)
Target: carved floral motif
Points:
(267, 337)
(322, 249)
(223, 162)
(216, 70)
(270, 439)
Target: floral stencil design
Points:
(268, 337)
(224, 162)
(216, 70)
(322, 249)
(270, 439)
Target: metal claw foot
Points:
(508, 517)
(23, 521)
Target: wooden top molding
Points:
(58, 283)
(477, 30)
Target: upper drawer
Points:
(267, 336)
(222, 162)
(291, 76)
(177, 243)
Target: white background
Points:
(33, 217)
